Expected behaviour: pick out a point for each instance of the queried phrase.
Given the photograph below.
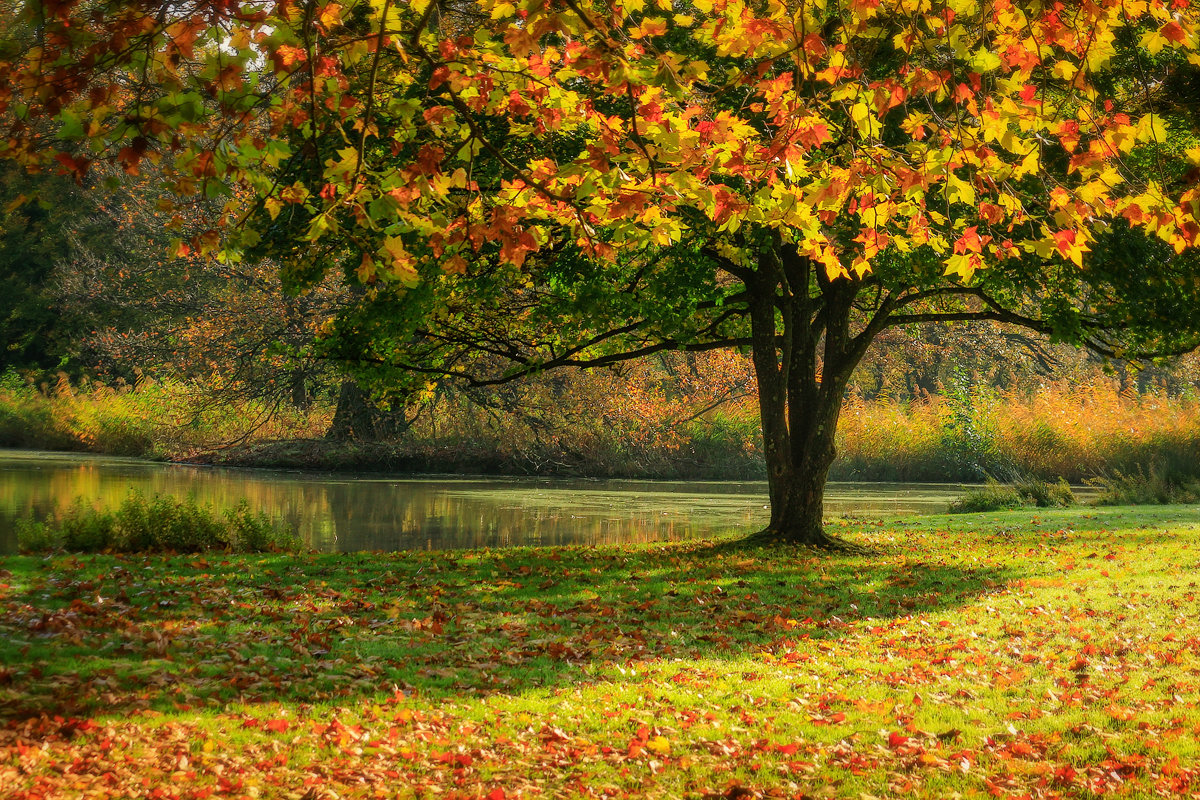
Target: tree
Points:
(150, 309)
(231, 329)
(35, 330)
(557, 183)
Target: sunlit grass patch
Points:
(1043, 652)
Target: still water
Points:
(344, 513)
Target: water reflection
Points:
(340, 513)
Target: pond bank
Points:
(1074, 432)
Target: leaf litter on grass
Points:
(1009, 654)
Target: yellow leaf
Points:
(1065, 70)
(501, 10)
(659, 745)
(984, 61)
(964, 265)
(403, 266)
(1151, 128)
(1153, 41)
(959, 191)
(1031, 163)
(868, 124)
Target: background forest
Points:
(112, 344)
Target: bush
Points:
(160, 524)
(1044, 494)
(1023, 491)
(995, 496)
(1157, 486)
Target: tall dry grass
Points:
(1076, 431)
(154, 419)
(694, 419)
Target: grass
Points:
(165, 419)
(1048, 653)
(158, 524)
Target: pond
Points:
(345, 513)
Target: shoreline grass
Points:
(1049, 653)
(161, 523)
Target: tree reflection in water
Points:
(368, 512)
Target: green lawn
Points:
(1051, 654)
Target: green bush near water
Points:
(158, 524)
(1023, 491)
(1160, 484)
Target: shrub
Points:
(1044, 494)
(252, 532)
(160, 524)
(1023, 491)
(1159, 485)
(994, 496)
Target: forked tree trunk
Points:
(803, 356)
(797, 475)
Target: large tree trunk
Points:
(798, 471)
(797, 490)
(803, 355)
(353, 418)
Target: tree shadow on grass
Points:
(80, 637)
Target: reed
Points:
(156, 524)
(639, 424)
(1077, 432)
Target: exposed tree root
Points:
(817, 539)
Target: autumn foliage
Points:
(422, 126)
(517, 187)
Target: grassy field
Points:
(1048, 654)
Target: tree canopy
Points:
(426, 131)
(525, 185)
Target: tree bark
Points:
(353, 418)
(299, 395)
(798, 473)
(803, 356)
